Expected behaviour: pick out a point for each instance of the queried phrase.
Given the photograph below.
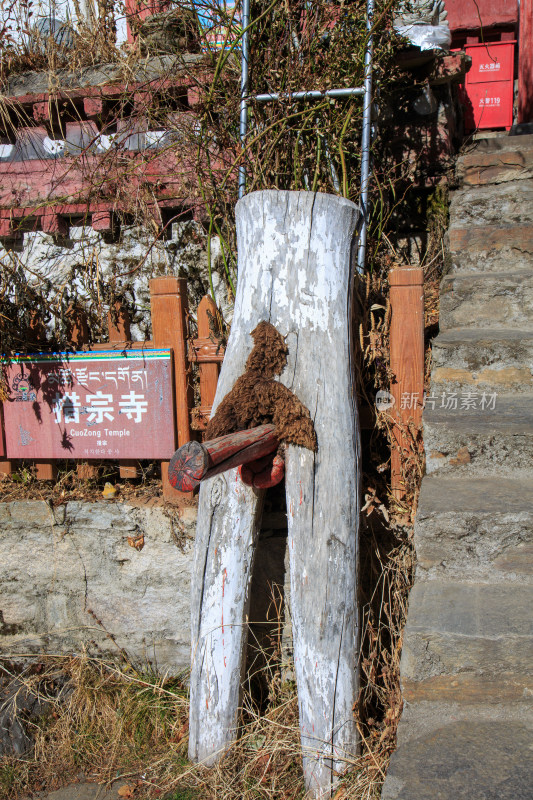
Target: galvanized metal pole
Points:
(366, 90)
(310, 95)
(365, 141)
(243, 128)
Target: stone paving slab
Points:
(81, 791)
(463, 761)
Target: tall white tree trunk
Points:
(295, 272)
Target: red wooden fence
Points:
(170, 329)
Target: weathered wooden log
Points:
(195, 461)
(294, 271)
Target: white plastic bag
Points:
(426, 37)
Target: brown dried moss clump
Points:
(257, 398)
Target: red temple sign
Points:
(104, 405)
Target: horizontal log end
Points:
(188, 466)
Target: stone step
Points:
(479, 529)
(488, 360)
(488, 248)
(483, 300)
(510, 204)
(483, 757)
(497, 161)
(458, 626)
(497, 144)
(463, 434)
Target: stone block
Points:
(486, 299)
(24, 515)
(483, 239)
(497, 161)
(478, 528)
(471, 609)
(455, 627)
(492, 359)
(463, 760)
(510, 203)
(73, 578)
(505, 379)
(471, 435)
(516, 560)
(469, 688)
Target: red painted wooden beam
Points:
(102, 221)
(474, 14)
(194, 462)
(65, 180)
(54, 224)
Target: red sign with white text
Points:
(104, 405)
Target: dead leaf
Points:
(126, 791)
(462, 457)
(109, 491)
(183, 731)
(136, 541)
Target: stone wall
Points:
(69, 580)
(86, 261)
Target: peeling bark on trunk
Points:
(294, 271)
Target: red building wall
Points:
(474, 14)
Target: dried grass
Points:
(113, 721)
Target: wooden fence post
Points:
(168, 300)
(44, 470)
(6, 467)
(118, 326)
(79, 335)
(78, 330)
(208, 372)
(406, 363)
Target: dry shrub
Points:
(113, 721)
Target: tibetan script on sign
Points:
(90, 405)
